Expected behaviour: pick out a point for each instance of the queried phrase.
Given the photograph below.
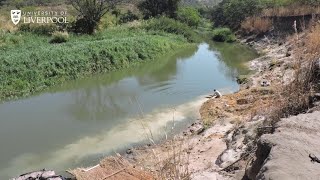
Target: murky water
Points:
(78, 123)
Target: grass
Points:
(298, 96)
(292, 10)
(168, 25)
(29, 63)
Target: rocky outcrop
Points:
(285, 154)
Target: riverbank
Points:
(31, 64)
(222, 144)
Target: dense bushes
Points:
(171, 26)
(155, 8)
(223, 35)
(38, 29)
(189, 15)
(36, 64)
(59, 37)
(232, 12)
(8, 39)
(128, 17)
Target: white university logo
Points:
(15, 16)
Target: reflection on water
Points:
(79, 122)
(234, 57)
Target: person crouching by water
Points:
(216, 94)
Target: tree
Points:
(91, 12)
(1, 2)
(154, 8)
(232, 12)
(189, 15)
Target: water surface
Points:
(80, 122)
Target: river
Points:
(79, 122)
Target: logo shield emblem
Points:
(15, 16)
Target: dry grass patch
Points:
(256, 25)
(294, 10)
(313, 41)
(112, 168)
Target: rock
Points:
(42, 174)
(265, 83)
(242, 101)
(129, 151)
(285, 154)
(288, 54)
(201, 130)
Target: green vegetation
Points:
(29, 63)
(223, 35)
(171, 26)
(38, 29)
(35, 57)
(232, 12)
(59, 37)
(155, 8)
(189, 15)
(128, 17)
(90, 12)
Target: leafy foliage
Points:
(232, 12)
(223, 35)
(172, 26)
(38, 29)
(59, 37)
(154, 8)
(128, 17)
(189, 15)
(91, 12)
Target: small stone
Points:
(129, 151)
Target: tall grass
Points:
(256, 25)
(172, 26)
(290, 10)
(297, 97)
(31, 64)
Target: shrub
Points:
(128, 17)
(59, 37)
(7, 39)
(154, 8)
(91, 12)
(189, 15)
(232, 12)
(171, 26)
(223, 35)
(38, 29)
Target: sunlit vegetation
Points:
(29, 63)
